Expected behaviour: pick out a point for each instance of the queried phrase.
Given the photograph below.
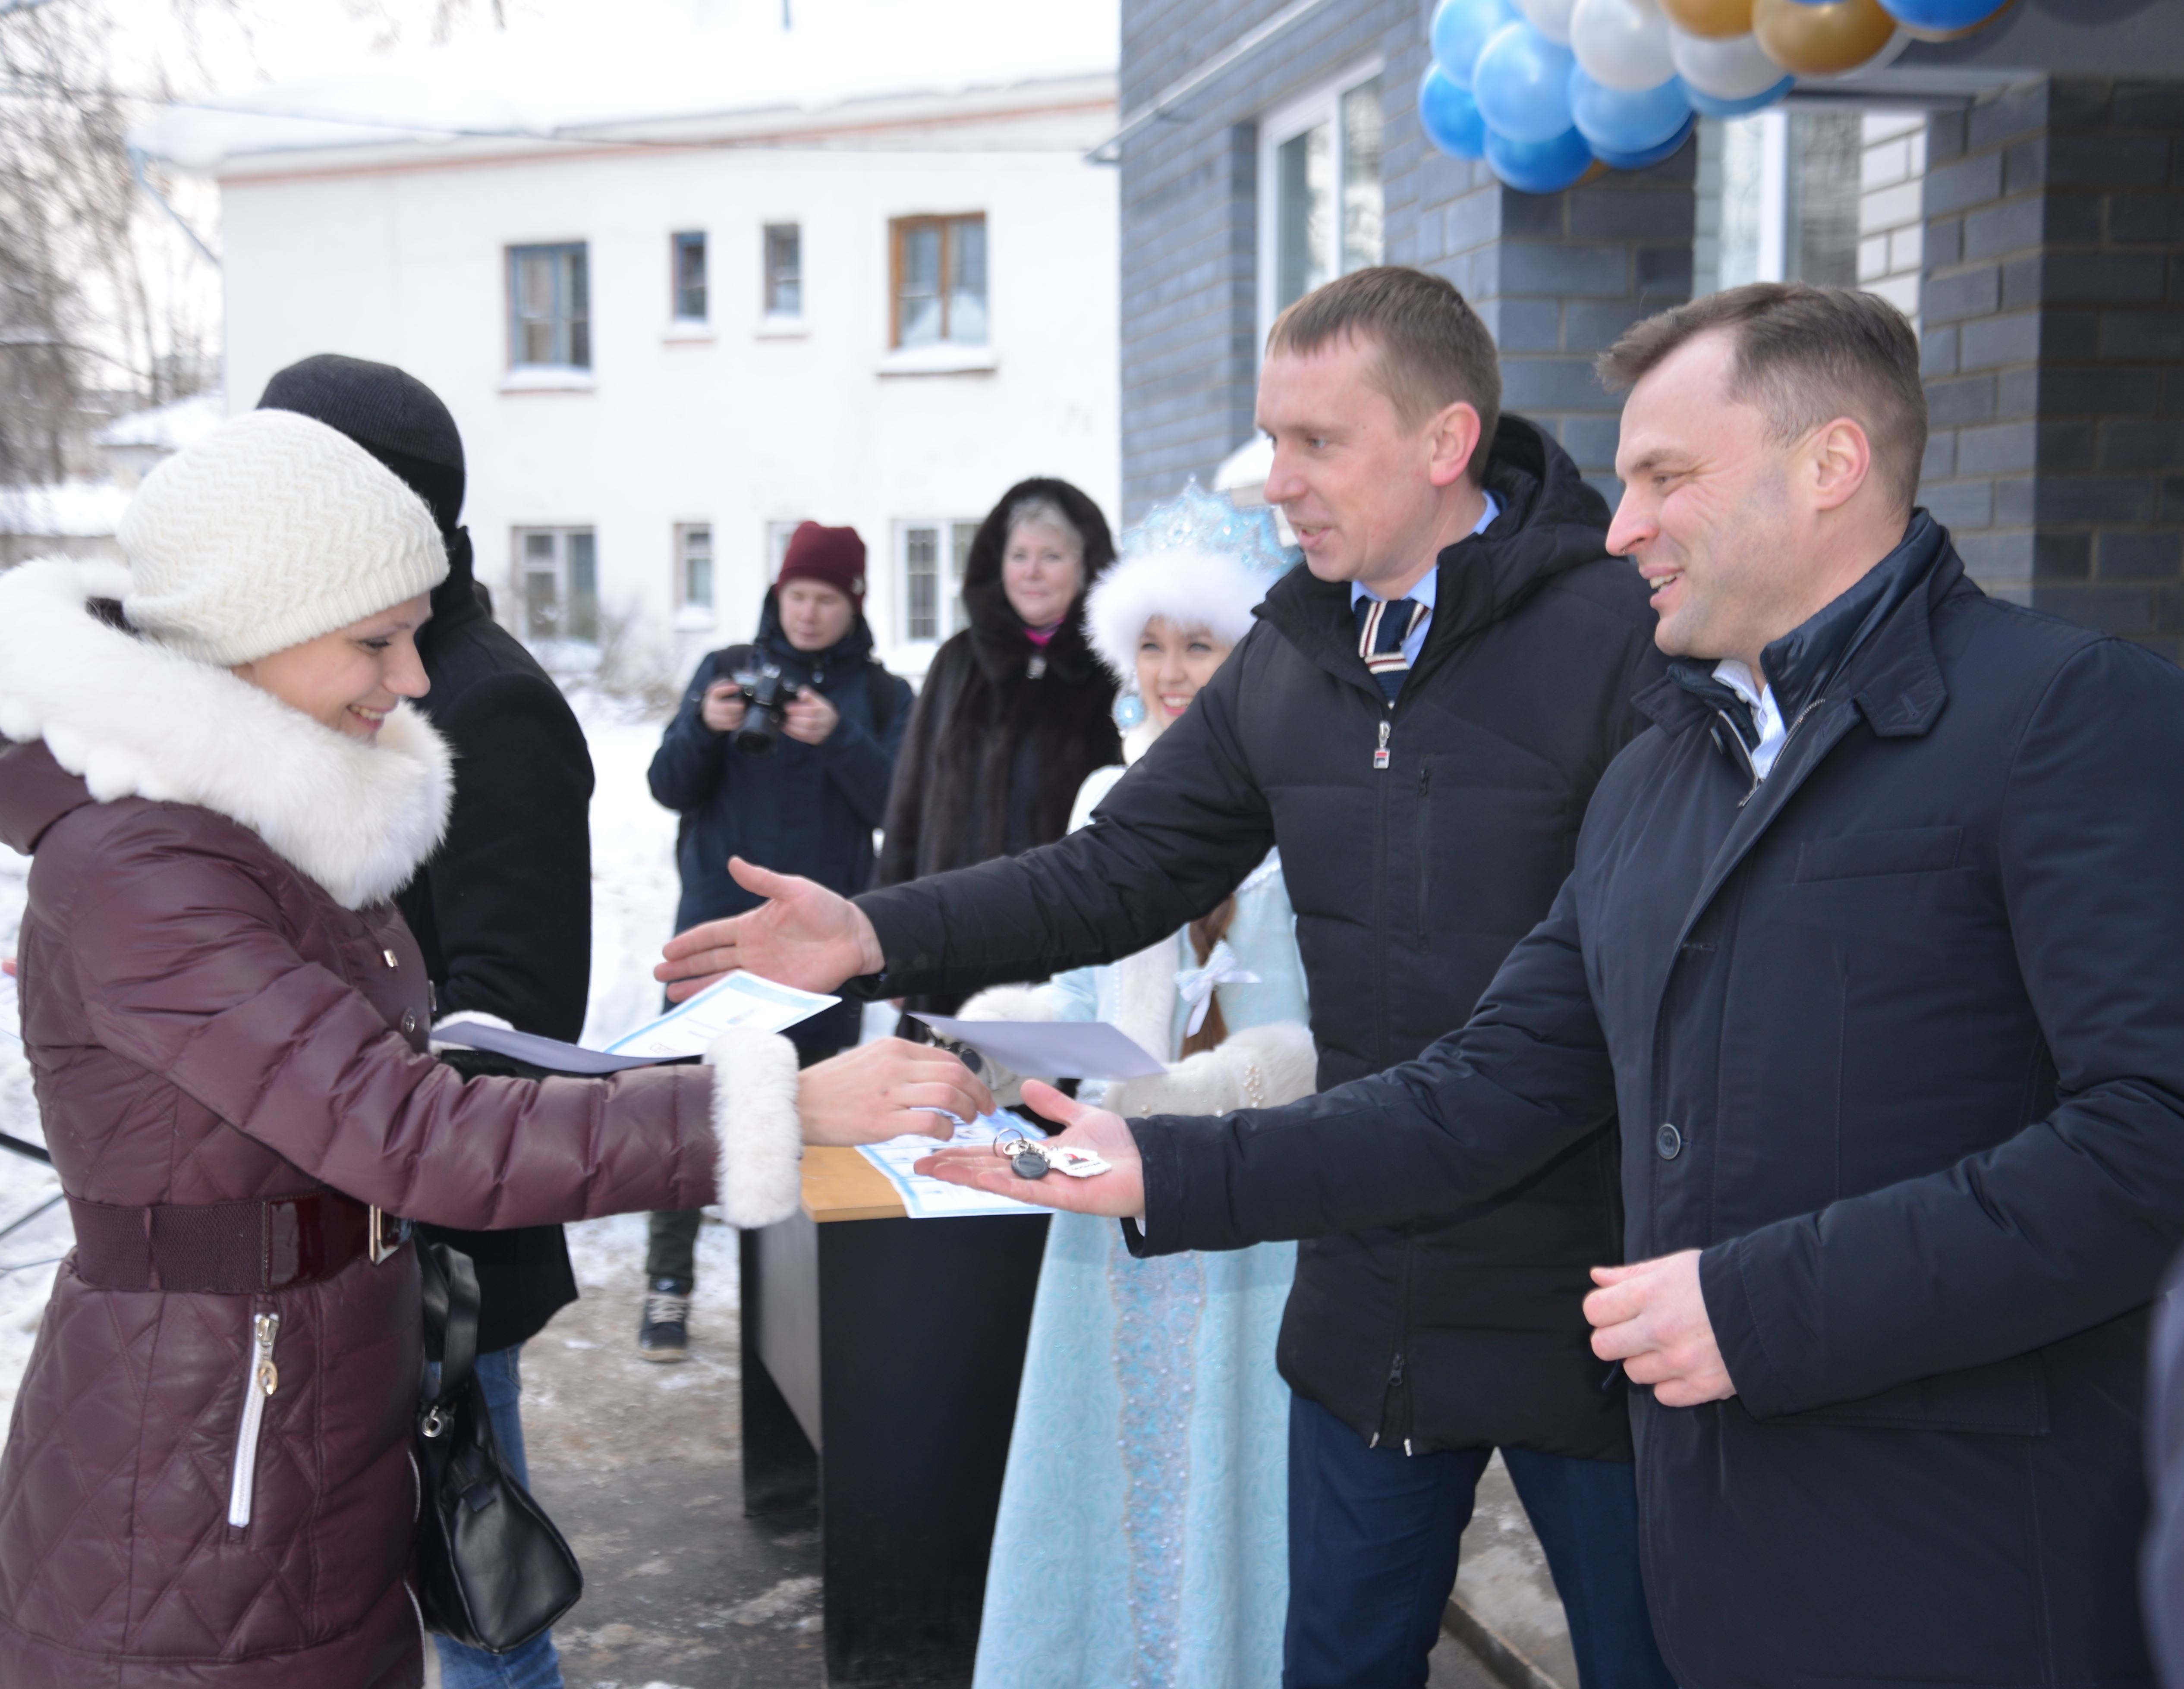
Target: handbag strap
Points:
(451, 1318)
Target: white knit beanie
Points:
(269, 531)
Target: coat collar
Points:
(1876, 638)
(1551, 521)
(136, 720)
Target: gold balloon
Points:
(1821, 41)
(1958, 35)
(1593, 172)
(1715, 19)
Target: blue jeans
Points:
(1373, 1535)
(535, 1665)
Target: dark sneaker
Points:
(664, 1333)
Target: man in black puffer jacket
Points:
(1426, 799)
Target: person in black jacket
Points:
(803, 786)
(1424, 773)
(1873, 940)
(1015, 710)
(503, 910)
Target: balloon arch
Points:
(1551, 92)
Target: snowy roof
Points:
(564, 77)
(166, 427)
(70, 510)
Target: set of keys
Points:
(1031, 1160)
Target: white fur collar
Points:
(134, 720)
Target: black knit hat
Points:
(391, 414)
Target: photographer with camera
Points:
(781, 754)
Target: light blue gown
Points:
(1142, 1542)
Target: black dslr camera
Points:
(766, 696)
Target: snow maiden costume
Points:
(1143, 1537)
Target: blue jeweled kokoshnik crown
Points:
(1195, 520)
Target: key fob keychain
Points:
(1030, 1160)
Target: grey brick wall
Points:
(2053, 307)
(1556, 278)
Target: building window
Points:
(777, 536)
(694, 566)
(560, 579)
(933, 555)
(1778, 200)
(549, 300)
(1320, 215)
(689, 258)
(784, 269)
(939, 281)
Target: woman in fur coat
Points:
(1143, 1529)
(208, 757)
(1014, 711)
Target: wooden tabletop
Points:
(841, 1185)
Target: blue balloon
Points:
(1938, 15)
(1621, 120)
(1461, 28)
(1652, 155)
(1539, 166)
(1705, 105)
(1522, 84)
(1450, 116)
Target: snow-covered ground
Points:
(634, 889)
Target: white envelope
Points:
(1052, 1050)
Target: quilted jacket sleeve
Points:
(185, 969)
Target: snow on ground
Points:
(633, 891)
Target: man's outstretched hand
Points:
(1119, 1193)
(1651, 1317)
(802, 935)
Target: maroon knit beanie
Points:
(832, 556)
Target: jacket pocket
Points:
(260, 1378)
(1900, 851)
(2007, 1398)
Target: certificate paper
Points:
(1052, 1050)
(935, 1198)
(741, 1000)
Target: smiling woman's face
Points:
(350, 679)
(1173, 664)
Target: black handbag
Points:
(492, 1570)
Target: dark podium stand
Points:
(881, 1357)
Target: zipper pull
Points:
(1380, 756)
(1395, 1371)
(267, 1376)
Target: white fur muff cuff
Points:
(758, 1175)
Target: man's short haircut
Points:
(1804, 356)
(1430, 349)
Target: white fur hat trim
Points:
(1189, 588)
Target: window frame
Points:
(770, 280)
(1323, 103)
(572, 630)
(679, 242)
(565, 322)
(684, 532)
(953, 536)
(899, 231)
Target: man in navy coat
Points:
(1875, 941)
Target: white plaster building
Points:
(873, 287)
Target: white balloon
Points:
(1550, 18)
(1622, 43)
(1731, 68)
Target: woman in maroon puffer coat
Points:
(227, 1023)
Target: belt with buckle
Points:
(229, 1248)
